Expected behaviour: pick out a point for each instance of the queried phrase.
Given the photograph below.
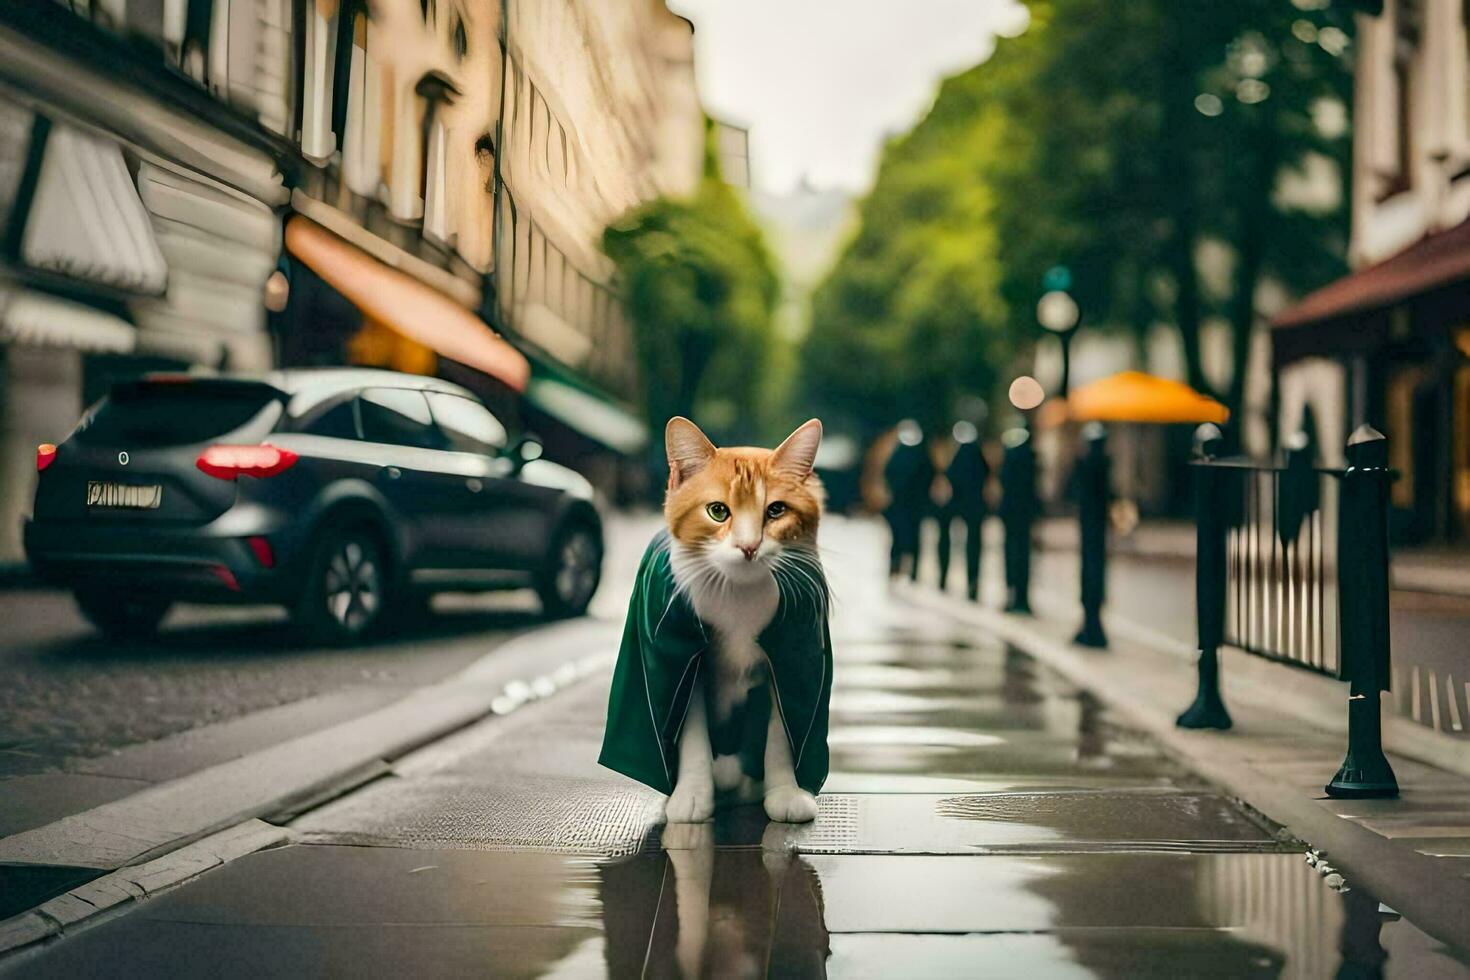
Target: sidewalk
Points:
(984, 815)
(1440, 570)
(1289, 735)
(1151, 590)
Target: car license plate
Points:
(126, 495)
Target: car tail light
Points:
(45, 456)
(225, 577)
(261, 547)
(229, 462)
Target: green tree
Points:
(1117, 139)
(909, 320)
(700, 289)
(1158, 126)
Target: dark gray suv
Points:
(345, 494)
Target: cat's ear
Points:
(689, 450)
(795, 456)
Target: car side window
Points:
(468, 425)
(338, 421)
(398, 417)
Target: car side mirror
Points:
(525, 450)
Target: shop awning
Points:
(593, 414)
(1435, 261)
(38, 320)
(403, 303)
(1132, 396)
(86, 220)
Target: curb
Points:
(125, 885)
(149, 838)
(1414, 884)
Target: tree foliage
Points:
(908, 320)
(1117, 139)
(700, 288)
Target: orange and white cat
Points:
(742, 522)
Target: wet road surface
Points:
(71, 700)
(69, 693)
(983, 817)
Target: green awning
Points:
(578, 406)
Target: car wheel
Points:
(122, 616)
(572, 572)
(347, 591)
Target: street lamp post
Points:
(1058, 313)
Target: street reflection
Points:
(944, 753)
(708, 911)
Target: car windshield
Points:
(178, 413)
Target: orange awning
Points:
(410, 307)
(1132, 396)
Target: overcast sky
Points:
(820, 83)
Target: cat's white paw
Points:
(691, 802)
(791, 804)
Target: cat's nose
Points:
(749, 551)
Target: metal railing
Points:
(1281, 595)
(1292, 564)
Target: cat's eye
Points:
(775, 510)
(718, 512)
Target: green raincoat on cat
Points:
(664, 649)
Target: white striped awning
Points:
(38, 320)
(86, 220)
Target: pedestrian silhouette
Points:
(1018, 509)
(968, 473)
(909, 474)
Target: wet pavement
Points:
(983, 817)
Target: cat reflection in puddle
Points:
(742, 912)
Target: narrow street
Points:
(73, 695)
(983, 817)
(85, 721)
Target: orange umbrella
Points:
(1132, 396)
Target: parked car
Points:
(344, 494)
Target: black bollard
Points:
(1018, 506)
(1362, 547)
(1208, 710)
(1093, 473)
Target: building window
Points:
(437, 92)
(1407, 31)
(459, 39)
(361, 112)
(318, 142)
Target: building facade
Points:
(1389, 344)
(415, 184)
(600, 113)
(139, 220)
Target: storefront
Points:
(1390, 345)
